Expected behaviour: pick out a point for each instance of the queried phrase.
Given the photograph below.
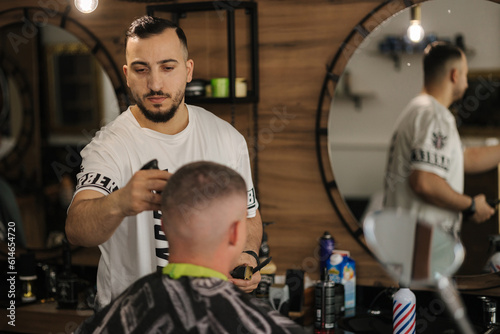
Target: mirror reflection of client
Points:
(204, 209)
(426, 164)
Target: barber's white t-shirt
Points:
(426, 138)
(138, 246)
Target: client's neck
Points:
(214, 263)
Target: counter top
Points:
(43, 318)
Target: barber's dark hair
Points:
(436, 56)
(194, 186)
(147, 26)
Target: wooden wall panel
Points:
(297, 39)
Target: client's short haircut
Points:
(194, 186)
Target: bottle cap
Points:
(327, 235)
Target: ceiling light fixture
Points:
(415, 31)
(86, 6)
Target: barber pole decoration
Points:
(403, 312)
(494, 263)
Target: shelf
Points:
(225, 100)
(180, 11)
(344, 91)
(357, 98)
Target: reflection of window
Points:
(479, 110)
(73, 88)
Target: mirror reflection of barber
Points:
(426, 164)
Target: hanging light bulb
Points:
(86, 6)
(415, 31)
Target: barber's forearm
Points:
(91, 222)
(481, 159)
(254, 233)
(448, 199)
(436, 191)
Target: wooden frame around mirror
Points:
(34, 17)
(31, 19)
(334, 71)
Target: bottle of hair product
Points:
(403, 311)
(268, 271)
(67, 282)
(328, 305)
(326, 246)
(28, 277)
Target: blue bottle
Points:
(326, 245)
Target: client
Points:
(204, 208)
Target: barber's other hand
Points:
(244, 285)
(247, 286)
(483, 210)
(138, 196)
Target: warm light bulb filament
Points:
(86, 6)
(415, 31)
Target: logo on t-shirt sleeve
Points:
(431, 158)
(97, 180)
(251, 202)
(439, 140)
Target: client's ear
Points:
(235, 232)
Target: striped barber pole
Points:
(403, 318)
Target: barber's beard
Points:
(160, 116)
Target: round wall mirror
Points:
(58, 86)
(372, 77)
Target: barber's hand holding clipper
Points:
(479, 211)
(105, 213)
(143, 191)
